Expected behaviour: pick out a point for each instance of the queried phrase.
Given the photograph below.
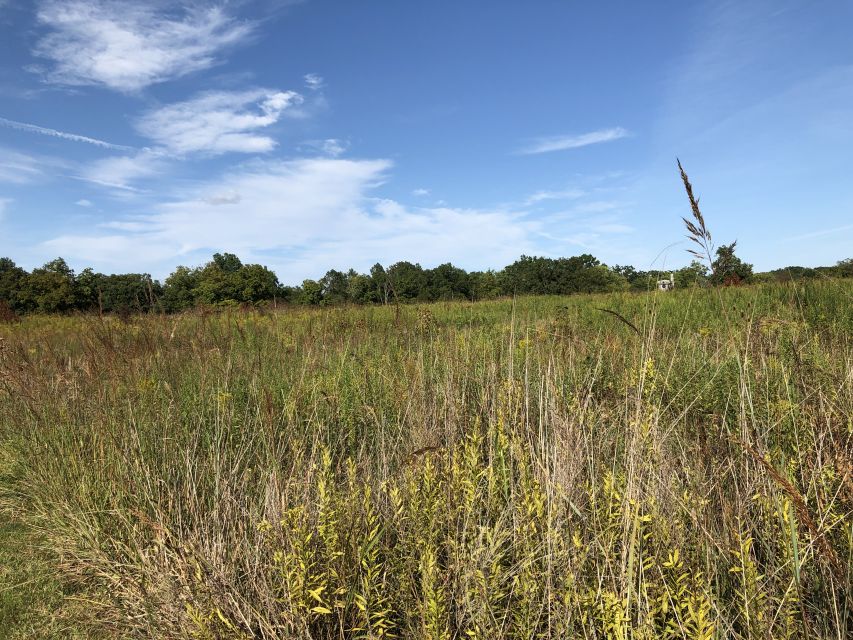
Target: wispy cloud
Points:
(128, 46)
(563, 194)
(333, 147)
(120, 171)
(83, 203)
(313, 81)
(330, 147)
(4, 203)
(559, 143)
(599, 206)
(218, 122)
(21, 168)
(420, 192)
(54, 133)
(300, 216)
(821, 232)
(222, 198)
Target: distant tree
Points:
(560, 276)
(335, 287)
(484, 285)
(446, 282)
(12, 278)
(696, 274)
(727, 268)
(225, 281)
(793, 273)
(255, 283)
(381, 283)
(638, 280)
(217, 286)
(527, 275)
(288, 294)
(89, 285)
(227, 262)
(122, 293)
(407, 280)
(311, 292)
(600, 279)
(626, 271)
(50, 289)
(360, 288)
(179, 289)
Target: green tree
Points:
(561, 276)
(128, 292)
(50, 289)
(727, 268)
(360, 288)
(89, 285)
(335, 287)
(793, 273)
(381, 283)
(845, 268)
(407, 280)
(215, 286)
(227, 262)
(696, 274)
(446, 282)
(255, 283)
(12, 278)
(311, 292)
(225, 280)
(484, 285)
(179, 289)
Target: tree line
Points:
(227, 281)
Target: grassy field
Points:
(536, 468)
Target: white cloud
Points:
(73, 137)
(102, 250)
(560, 143)
(83, 203)
(331, 147)
(226, 197)
(565, 194)
(4, 203)
(218, 122)
(128, 46)
(118, 172)
(334, 147)
(313, 81)
(123, 225)
(301, 217)
(19, 168)
(420, 192)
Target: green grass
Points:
(505, 469)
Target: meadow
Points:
(625, 466)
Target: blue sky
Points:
(326, 134)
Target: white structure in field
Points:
(667, 285)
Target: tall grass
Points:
(508, 469)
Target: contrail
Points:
(23, 126)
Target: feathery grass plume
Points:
(697, 231)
